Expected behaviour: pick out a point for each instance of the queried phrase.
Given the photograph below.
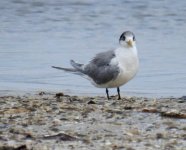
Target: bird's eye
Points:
(134, 39)
(123, 38)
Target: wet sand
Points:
(46, 121)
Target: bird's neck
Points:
(134, 50)
(128, 50)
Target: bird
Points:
(112, 68)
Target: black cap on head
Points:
(125, 34)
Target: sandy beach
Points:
(46, 121)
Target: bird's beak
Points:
(130, 44)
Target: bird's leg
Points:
(107, 93)
(118, 90)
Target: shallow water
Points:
(38, 34)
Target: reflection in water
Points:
(36, 35)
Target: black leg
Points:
(118, 90)
(107, 93)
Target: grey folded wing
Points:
(100, 69)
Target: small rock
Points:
(42, 93)
(128, 107)
(60, 137)
(159, 136)
(21, 147)
(56, 122)
(91, 102)
(173, 114)
(58, 95)
(183, 98)
(133, 132)
(150, 110)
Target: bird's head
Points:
(127, 39)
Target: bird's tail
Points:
(65, 69)
(78, 68)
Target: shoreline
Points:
(88, 94)
(58, 121)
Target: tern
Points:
(113, 68)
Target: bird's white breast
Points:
(128, 63)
